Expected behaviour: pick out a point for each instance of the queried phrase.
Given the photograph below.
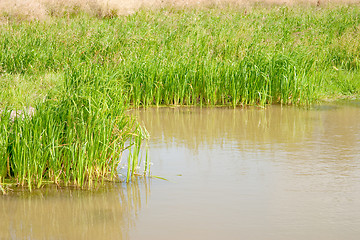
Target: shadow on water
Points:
(106, 213)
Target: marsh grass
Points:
(216, 56)
(73, 138)
(20, 90)
(94, 68)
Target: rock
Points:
(29, 111)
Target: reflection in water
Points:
(107, 213)
(249, 173)
(332, 132)
(274, 173)
(194, 126)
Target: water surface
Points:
(247, 173)
(275, 173)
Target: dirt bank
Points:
(40, 9)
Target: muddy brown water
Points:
(274, 173)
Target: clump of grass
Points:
(74, 138)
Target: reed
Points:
(96, 67)
(288, 55)
(74, 138)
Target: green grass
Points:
(81, 72)
(75, 137)
(204, 57)
(20, 90)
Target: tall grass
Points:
(74, 138)
(169, 56)
(282, 55)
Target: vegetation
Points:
(214, 56)
(76, 137)
(82, 71)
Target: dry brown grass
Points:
(41, 9)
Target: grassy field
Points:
(81, 71)
(289, 55)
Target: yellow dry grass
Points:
(40, 9)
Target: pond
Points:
(244, 173)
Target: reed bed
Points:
(288, 55)
(75, 137)
(168, 56)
